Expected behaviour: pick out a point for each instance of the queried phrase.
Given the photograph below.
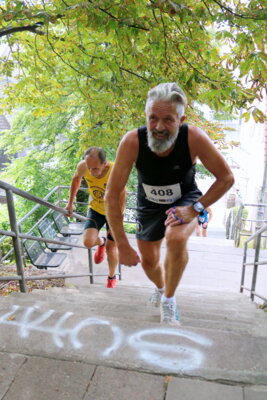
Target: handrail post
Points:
(255, 268)
(238, 226)
(23, 255)
(243, 267)
(16, 240)
(59, 195)
(90, 262)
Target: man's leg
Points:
(198, 231)
(91, 239)
(150, 259)
(112, 256)
(176, 255)
(92, 227)
(204, 229)
(175, 261)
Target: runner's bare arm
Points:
(126, 156)
(202, 147)
(123, 200)
(75, 184)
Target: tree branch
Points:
(207, 8)
(245, 16)
(64, 61)
(121, 21)
(195, 69)
(30, 28)
(133, 73)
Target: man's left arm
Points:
(202, 147)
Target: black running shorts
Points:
(97, 221)
(150, 221)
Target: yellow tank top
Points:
(96, 189)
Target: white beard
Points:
(160, 146)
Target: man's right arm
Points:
(75, 184)
(126, 157)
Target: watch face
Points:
(198, 206)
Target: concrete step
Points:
(233, 313)
(151, 315)
(138, 297)
(231, 306)
(115, 328)
(192, 300)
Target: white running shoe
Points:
(169, 314)
(155, 298)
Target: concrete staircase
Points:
(93, 343)
(223, 337)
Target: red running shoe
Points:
(100, 252)
(111, 283)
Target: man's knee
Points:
(89, 238)
(88, 242)
(176, 241)
(149, 263)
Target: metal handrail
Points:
(235, 228)
(256, 236)
(36, 199)
(16, 235)
(19, 223)
(43, 201)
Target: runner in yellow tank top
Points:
(96, 170)
(96, 189)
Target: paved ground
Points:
(57, 345)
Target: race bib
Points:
(163, 194)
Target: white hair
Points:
(169, 92)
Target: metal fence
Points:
(16, 234)
(238, 224)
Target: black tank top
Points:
(175, 168)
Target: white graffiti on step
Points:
(176, 355)
(26, 324)
(183, 357)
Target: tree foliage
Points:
(80, 71)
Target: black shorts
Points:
(201, 223)
(97, 221)
(150, 221)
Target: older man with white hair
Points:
(168, 201)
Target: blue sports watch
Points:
(198, 207)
